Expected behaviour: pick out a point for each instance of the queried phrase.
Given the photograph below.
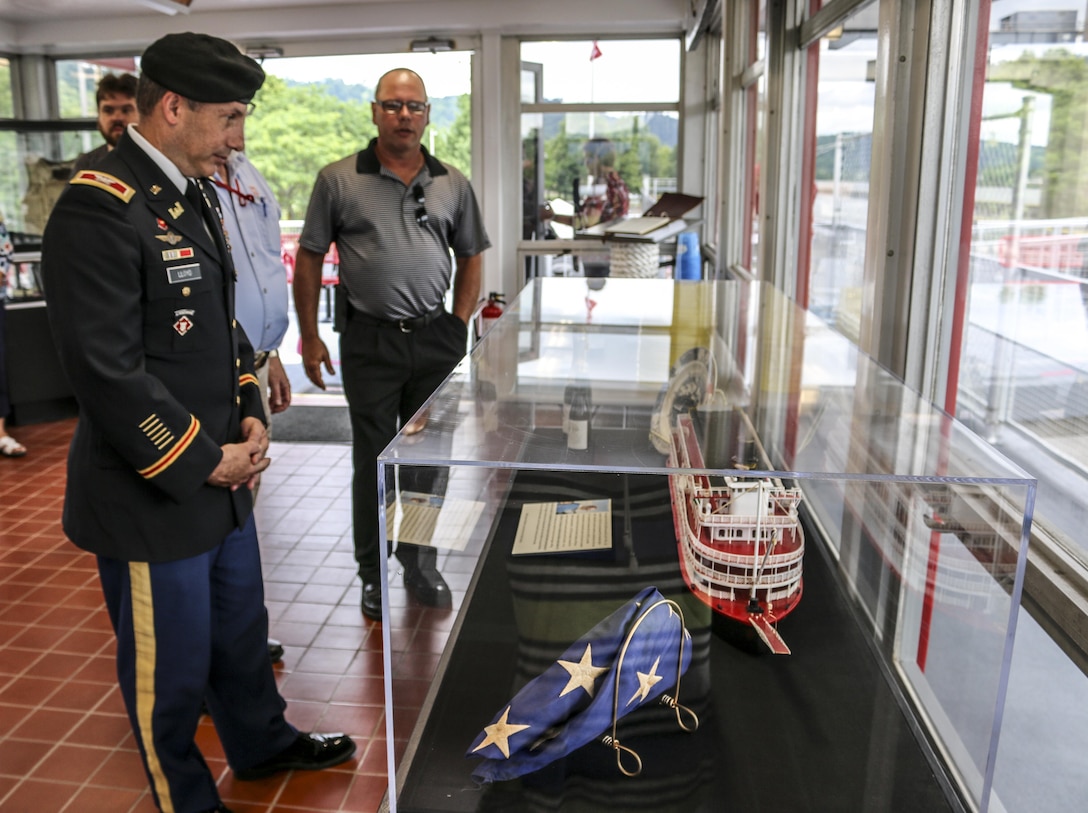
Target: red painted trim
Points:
(970, 180)
(808, 168)
(959, 305)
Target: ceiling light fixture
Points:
(170, 7)
(263, 52)
(432, 45)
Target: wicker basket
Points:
(635, 260)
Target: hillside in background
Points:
(443, 110)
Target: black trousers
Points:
(388, 375)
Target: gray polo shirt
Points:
(393, 265)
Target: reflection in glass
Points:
(1023, 369)
(645, 145)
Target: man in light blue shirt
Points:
(251, 217)
(251, 220)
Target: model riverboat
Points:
(739, 538)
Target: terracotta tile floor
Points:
(65, 743)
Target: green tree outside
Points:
(563, 163)
(7, 105)
(298, 129)
(1064, 166)
(453, 144)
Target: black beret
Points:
(202, 68)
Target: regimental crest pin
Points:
(155, 189)
(172, 238)
(183, 321)
(161, 224)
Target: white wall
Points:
(308, 28)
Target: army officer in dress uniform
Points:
(171, 433)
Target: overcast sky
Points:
(626, 71)
(444, 74)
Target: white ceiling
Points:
(24, 11)
(109, 26)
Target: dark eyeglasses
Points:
(393, 106)
(421, 213)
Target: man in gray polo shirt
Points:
(396, 213)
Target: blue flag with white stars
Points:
(628, 660)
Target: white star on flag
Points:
(499, 733)
(646, 682)
(582, 674)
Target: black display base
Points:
(818, 730)
(25, 413)
(37, 386)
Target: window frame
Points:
(514, 278)
(919, 220)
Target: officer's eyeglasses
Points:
(393, 106)
(421, 213)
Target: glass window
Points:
(643, 144)
(598, 156)
(1023, 370)
(42, 164)
(77, 84)
(840, 204)
(77, 81)
(756, 104)
(315, 110)
(617, 71)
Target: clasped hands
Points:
(244, 461)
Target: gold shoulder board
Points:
(103, 180)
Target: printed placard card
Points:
(564, 527)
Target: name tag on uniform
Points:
(183, 273)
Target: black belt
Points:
(260, 359)
(405, 325)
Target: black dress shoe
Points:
(372, 601)
(428, 586)
(275, 650)
(309, 752)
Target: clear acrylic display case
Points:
(915, 535)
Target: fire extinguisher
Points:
(491, 311)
